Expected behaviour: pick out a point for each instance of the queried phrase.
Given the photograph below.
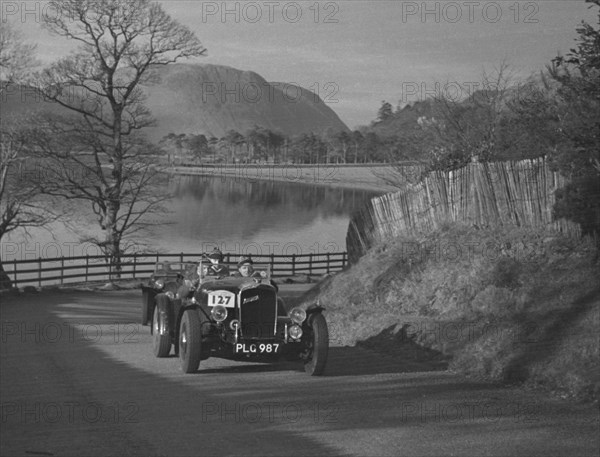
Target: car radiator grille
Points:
(258, 315)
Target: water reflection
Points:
(257, 216)
(240, 216)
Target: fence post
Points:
(328, 262)
(310, 263)
(343, 260)
(293, 264)
(181, 257)
(134, 263)
(40, 271)
(272, 263)
(62, 271)
(15, 271)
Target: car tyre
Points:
(315, 365)
(161, 344)
(190, 340)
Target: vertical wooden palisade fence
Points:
(65, 270)
(519, 193)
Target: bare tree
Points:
(16, 56)
(20, 206)
(98, 153)
(462, 130)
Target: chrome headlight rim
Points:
(219, 313)
(298, 315)
(295, 332)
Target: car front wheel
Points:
(161, 344)
(190, 340)
(319, 345)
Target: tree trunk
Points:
(112, 241)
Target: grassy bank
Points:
(505, 304)
(365, 177)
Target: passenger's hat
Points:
(245, 261)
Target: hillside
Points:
(504, 304)
(404, 120)
(209, 99)
(213, 99)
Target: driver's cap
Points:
(216, 254)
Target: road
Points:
(78, 379)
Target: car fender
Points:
(314, 309)
(148, 297)
(185, 305)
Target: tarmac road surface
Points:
(78, 378)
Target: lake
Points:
(237, 215)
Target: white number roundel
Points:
(221, 297)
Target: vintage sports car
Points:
(240, 318)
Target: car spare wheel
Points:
(190, 340)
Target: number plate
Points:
(221, 297)
(256, 348)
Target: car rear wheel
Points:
(161, 344)
(190, 341)
(319, 342)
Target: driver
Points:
(215, 268)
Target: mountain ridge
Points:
(211, 100)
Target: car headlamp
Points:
(298, 315)
(159, 284)
(295, 332)
(219, 313)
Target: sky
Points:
(355, 54)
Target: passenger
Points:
(246, 268)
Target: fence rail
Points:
(71, 270)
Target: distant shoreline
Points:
(360, 177)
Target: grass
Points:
(506, 304)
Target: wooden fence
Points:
(65, 270)
(520, 193)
